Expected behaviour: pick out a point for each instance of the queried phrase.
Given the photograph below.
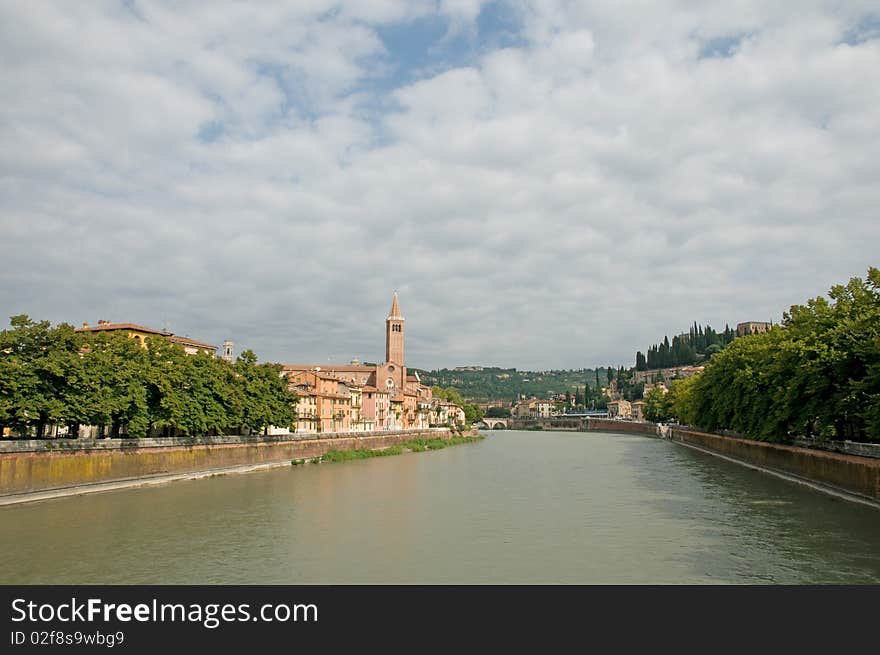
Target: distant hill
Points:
(492, 383)
(687, 348)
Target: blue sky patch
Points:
(210, 131)
(866, 29)
(721, 47)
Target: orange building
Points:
(384, 396)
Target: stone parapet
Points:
(58, 468)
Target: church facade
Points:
(358, 397)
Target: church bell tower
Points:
(394, 334)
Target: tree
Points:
(680, 400)
(472, 413)
(657, 407)
(37, 364)
(113, 391)
(267, 400)
(816, 374)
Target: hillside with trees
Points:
(691, 347)
(508, 384)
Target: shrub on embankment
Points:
(815, 375)
(417, 445)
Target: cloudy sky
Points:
(547, 184)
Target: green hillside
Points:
(492, 383)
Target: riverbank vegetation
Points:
(413, 445)
(57, 376)
(472, 413)
(815, 375)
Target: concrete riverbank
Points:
(48, 469)
(854, 477)
(846, 475)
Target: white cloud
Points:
(251, 171)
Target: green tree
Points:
(815, 375)
(113, 389)
(37, 374)
(267, 400)
(657, 407)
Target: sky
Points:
(546, 184)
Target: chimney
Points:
(85, 325)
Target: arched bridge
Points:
(494, 423)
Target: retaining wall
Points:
(71, 465)
(585, 425)
(851, 473)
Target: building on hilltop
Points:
(141, 334)
(360, 397)
(752, 327)
(650, 386)
(662, 374)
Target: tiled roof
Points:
(121, 326)
(112, 327)
(191, 342)
(339, 368)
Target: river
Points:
(517, 507)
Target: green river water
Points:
(517, 507)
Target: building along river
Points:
(517, 507)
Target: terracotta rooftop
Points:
(191, 342)
(340, 368)
(104, 325)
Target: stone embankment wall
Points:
(584, 425)
(854, 474)
(850, 473)
(27, 467)
(631, 427)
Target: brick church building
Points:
(357, 397)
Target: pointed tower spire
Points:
(395, 309)
(394, 335)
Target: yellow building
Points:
(619, 409)
(141, 334)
